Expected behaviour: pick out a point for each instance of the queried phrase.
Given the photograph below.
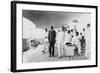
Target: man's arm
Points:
(49, 35)
(55, 34)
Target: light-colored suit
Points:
(60, 43)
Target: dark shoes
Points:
(51, 56)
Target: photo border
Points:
(13, 35)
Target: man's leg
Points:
(44, 50)
(45, 47)
(58, 49)
(53, 49)
(50, 50)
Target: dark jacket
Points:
(52, 36)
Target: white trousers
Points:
(79, 49)
(60, 49)
(78, 46)
(46, 45)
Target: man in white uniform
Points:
(60, 42)
(87, 35)
(68, 37)
(76, 42)
(46, 44)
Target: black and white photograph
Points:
(55, 36)
(48, 36)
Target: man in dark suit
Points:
(52, 41)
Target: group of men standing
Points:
(60, 39)
(53, 38)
